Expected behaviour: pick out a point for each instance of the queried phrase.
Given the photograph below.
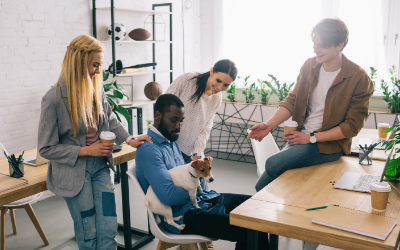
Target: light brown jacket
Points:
(346, 103)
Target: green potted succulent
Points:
(232, 91)
(279, 90)
(263, 92)
(149, 122)
(248, 90)
(115, 94)
(393, 170)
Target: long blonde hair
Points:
(84, 95)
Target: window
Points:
(273, 37)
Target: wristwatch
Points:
(313, 139)
(129, 138)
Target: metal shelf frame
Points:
(147, 236)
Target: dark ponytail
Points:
(223, 66)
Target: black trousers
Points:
(214, 222)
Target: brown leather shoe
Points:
(210, 245)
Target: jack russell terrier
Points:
(187, 177)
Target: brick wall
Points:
(34, 35)
(33, 39)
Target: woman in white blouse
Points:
(200, 93)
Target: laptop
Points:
(361, 182)
(35, 160)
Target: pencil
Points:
(315, 208)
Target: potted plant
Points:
(393, 170)
(149, 122)
(232, 91)
(281, 91)
(392, 98)
(115, 94)
(263, 92)
(247, 91)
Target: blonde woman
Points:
(74, 112)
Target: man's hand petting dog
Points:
(296, 138)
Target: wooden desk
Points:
(36, 177)
(280, 207)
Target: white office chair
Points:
(262, 151)
(166, 238)
(26, 204)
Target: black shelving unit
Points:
(147, 236)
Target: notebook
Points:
(7, 182)
(358, 222)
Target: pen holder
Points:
(20, 167)
(365, 157)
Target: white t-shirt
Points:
(316, 103)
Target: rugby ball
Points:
(139, 34)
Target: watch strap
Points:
(129, 138)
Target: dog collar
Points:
(192, 175)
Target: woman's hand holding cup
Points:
(100, 149)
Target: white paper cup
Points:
(290, 126)
(381, 130)
(379, 196)
(107, 137)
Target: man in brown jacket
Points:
(329, 103)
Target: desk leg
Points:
(126, 214)
(273, 242)
(252, 239)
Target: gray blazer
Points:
(56, 141)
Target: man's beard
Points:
(162, 128)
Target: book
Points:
(7, 182)
(358, 222)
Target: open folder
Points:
(371, 225)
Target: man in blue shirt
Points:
(153, 160)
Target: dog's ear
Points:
(208, 158)
(196, 164)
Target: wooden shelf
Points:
(133, 41)
(144, 72)
(146, 12)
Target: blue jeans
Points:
(293, 156)
(93, 208)
(203, 183)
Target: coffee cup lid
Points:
(107, 135)
(383, 124)
(380, 187)
(290, 124)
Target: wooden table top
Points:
(36, 176)
(280, 208)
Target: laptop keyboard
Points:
(364, 181)
(32, 161)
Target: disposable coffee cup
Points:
(381, 130)
(107, 137)
(379, 196)
(290, 126)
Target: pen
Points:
(315, 208)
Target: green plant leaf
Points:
(392, 169)
(117, 115)
(105, 76)
(108, 87)
(115, 100)
(124, 112)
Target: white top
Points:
(199, 115)
(316, 103)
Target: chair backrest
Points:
(154, 222)
(263, 150)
